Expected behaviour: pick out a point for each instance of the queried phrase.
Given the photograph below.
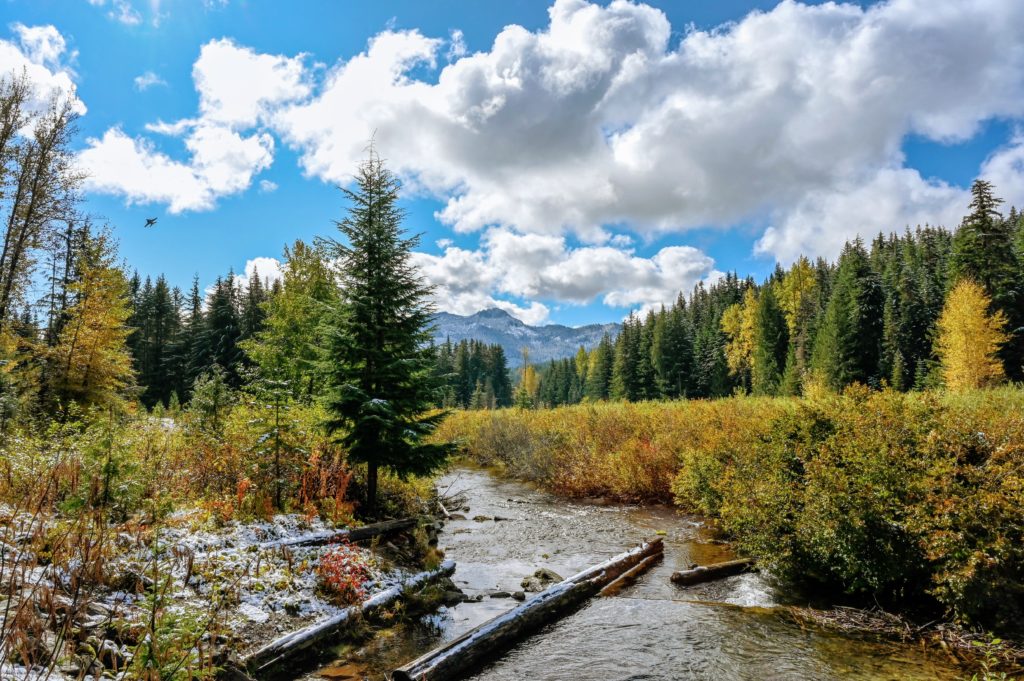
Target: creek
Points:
(729, 629)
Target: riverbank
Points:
(909, 500)
(188, 598)
(735, 628)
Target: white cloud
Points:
(123, 12)
(222, 162)
(456, 45)
(237, 87)
(41, 53)
(1005, 169)
(889, 200)
(148, 80)
(267, 186)
(531, 266)
(268, 270)
(596, 120)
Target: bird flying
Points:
(150, 222)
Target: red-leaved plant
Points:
(343, 572)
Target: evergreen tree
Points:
(848, 344)
(771, 343)
(983, 251)
(599, 370)
(223, 330)
(377, 369)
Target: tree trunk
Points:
(291, 644)
(326, 537)
(707, 573)
(465, 653)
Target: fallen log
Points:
(631, 575)
(284, 648)
(323, 537)
(461, 655)
(707, 573)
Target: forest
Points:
(922, 309)
(854, 425)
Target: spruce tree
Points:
(983, 251)
(377, 362)
(848, 345)
(771, 342)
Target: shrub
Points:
(911, 499)
(343, 572)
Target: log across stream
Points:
(653, 629)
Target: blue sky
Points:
(594, 161)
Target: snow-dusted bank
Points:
(205, 589)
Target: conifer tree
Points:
(969, 338)
(983, 250)
(599, 370)
(377, 364)
(91, 364)
(848, 344)
(771, 342)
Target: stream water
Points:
(652, 630)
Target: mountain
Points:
(497, 326)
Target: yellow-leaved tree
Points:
(969, 338)
(91, 363)
(738, 321)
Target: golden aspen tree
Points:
(969, 338)
(91, 363)
(738, 322)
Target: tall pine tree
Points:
(378, 365)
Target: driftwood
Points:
(461, 655)
(631, 575)
(708, 573)
(324, 537)
(291, 644)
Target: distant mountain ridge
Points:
(499, 327)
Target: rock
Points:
(456, 516)
(482, 518)
(540, 580)
(499, 518)
(452, 597)
(519, 596)
(532, 585)
(501, 594)
(546, 575)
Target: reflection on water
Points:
(652, 630)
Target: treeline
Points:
(883, 314)
(177, 338)
(471, 375)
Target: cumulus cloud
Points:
(237, 86)
(237, 90)
(148, 80)
(40, 53)
(532, 266)
(221, 162)
(598, 120)
(267, 186)
(268, 270)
